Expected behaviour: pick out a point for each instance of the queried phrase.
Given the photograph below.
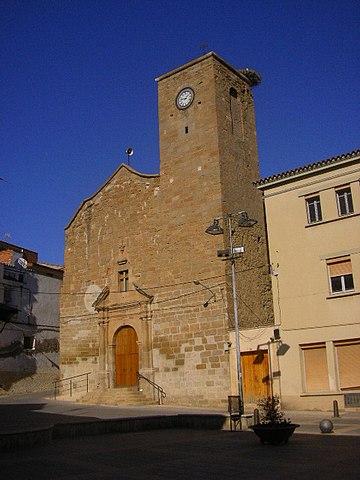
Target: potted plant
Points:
(273, 428)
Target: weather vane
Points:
(129, 151)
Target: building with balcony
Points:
(29, 321)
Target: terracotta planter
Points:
(275, 433)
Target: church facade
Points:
(146, 290)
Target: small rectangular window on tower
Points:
(344, 201)
(340, 275)
(313, 207)
(123, 280)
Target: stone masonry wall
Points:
(239, 171)
(189, 356)
(110, 227)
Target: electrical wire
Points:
(162, 301)
(155, 287)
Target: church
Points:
(150, 300)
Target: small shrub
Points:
(270, 413)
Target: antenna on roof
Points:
(129, 151)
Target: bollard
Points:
(326, 426)
(336, 408)
(256, 416)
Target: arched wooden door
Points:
(126, 357)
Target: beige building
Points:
(313, 225)
(144, 290)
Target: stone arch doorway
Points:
(126, 357)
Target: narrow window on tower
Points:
(234, 111)
(123, 280)
(313, 207)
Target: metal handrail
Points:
(160, 391)
(57, 383)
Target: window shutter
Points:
(348, 356)
(316, 369)
(340, 268)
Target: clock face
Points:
(185, 98)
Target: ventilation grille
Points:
(352, 399)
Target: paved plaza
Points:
(173, 453)
(186, 454)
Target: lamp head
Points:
(245, 221)
(215, 228)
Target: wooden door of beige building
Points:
(255, 372)
(126, 357)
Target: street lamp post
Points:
(236, 320)
(216, 229)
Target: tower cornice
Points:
(201, 59)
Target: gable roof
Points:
(122, 166)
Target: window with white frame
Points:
(344, 201)
(313, 208)
(340, 275)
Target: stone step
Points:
(116, 396)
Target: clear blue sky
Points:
(77, 88)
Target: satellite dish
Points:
(23, 263)
(129, 151)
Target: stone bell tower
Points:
(208, 163)
(207, 125)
